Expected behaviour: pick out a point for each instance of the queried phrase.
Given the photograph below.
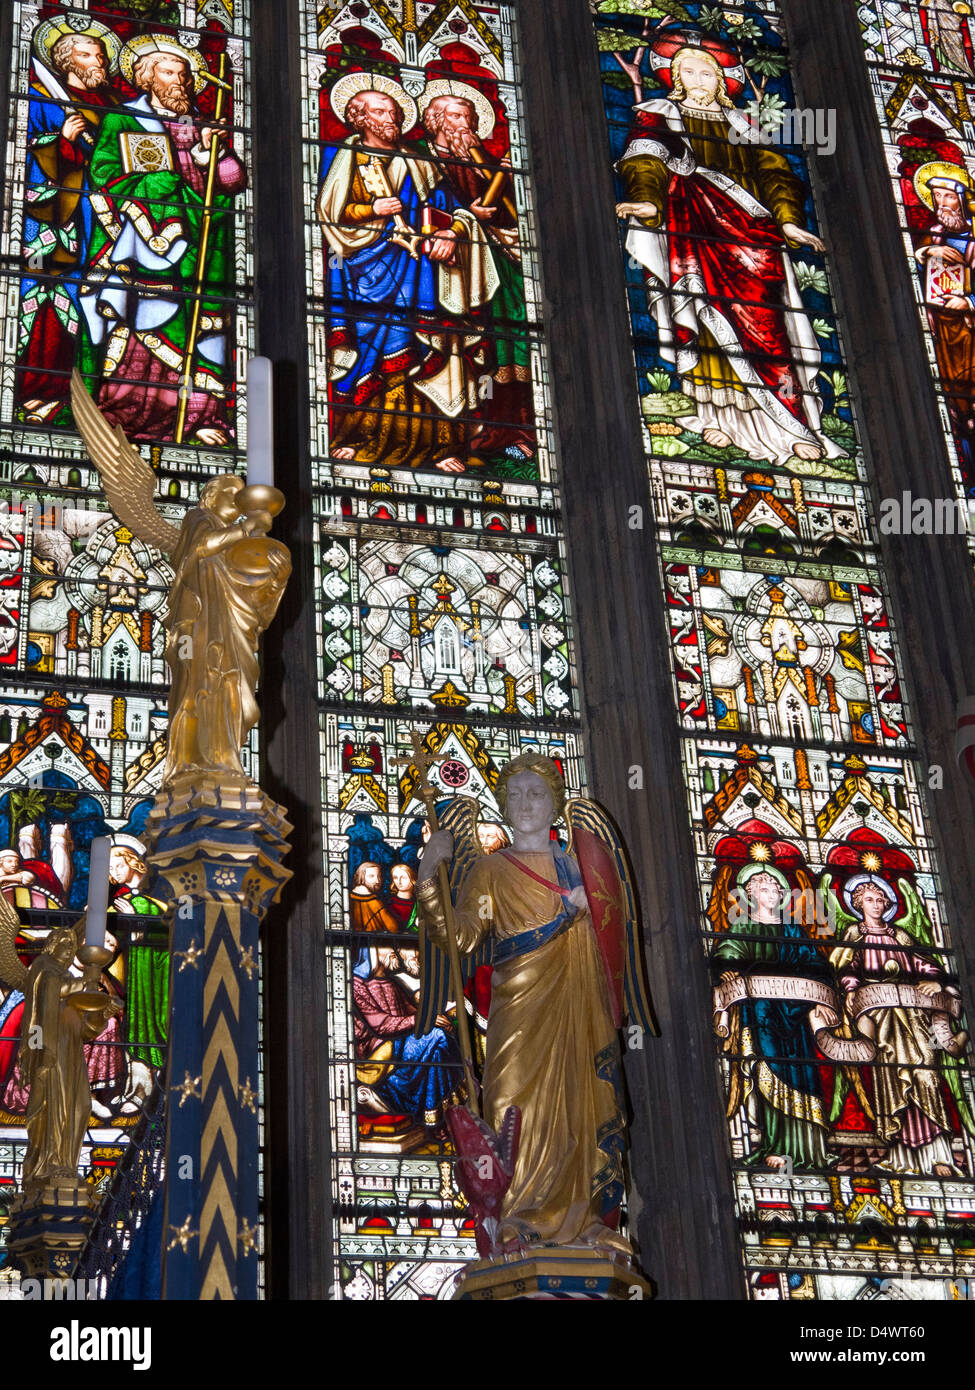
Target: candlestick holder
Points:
(90, 998)
(260, 502)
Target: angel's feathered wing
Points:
(590, 818)
(128, 480)
(461, 819)
(917, 924)
(13, 971)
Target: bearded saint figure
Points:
(151, 164)
(457, 119)
(408, 266)
(70, 93)
(710, 220)
(946, 255)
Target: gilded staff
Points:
(201, 260)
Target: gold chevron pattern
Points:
(221, 1081)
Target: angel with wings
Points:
(916, 1080)
(55, 1028)
(229, 580)
(559, 928)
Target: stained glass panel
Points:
(134, 240)
(842, 1048)
(924, 93)
(424, 332)
(441, 584)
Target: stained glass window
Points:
(440, 570)
(922, 73)
(127, 230)
(837, 1016)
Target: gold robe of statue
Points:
(52, 1062)
(226, 591)
(551, 1050)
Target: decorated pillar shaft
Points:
(220, 848)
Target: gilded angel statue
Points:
(62, 1012)
(229, 580)
(559, 928)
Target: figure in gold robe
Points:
(226, 591)
(551, 1046)
(52, 1064)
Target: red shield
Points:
(607, 903)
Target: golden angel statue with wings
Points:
(62, 1012)
(229, 580)
(559, 928)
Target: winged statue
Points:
(58, 1017)
(559, 928)
(229, 578)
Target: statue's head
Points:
(63, 945)
(220, 497)
(530, 788)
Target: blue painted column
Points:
(219, 846)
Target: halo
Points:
(355, 82)
(751, 871)
(448, 87)
(47, 34)
(856, 880)
(937, 170)
(122, 841)
(158, 43)
(662, 55)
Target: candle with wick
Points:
(95, 922)
(260, 427)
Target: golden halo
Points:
(47, 34)
(448, 87)
(937, 169)
(158, 43)
(355, 82)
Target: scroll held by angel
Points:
(229, 580)
(559, 928)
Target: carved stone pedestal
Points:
(554, 1272)
(47, 1227)
(219, 843)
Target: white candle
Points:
(97, 891)
(260, 425)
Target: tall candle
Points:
(97, 891)
(260, 427)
